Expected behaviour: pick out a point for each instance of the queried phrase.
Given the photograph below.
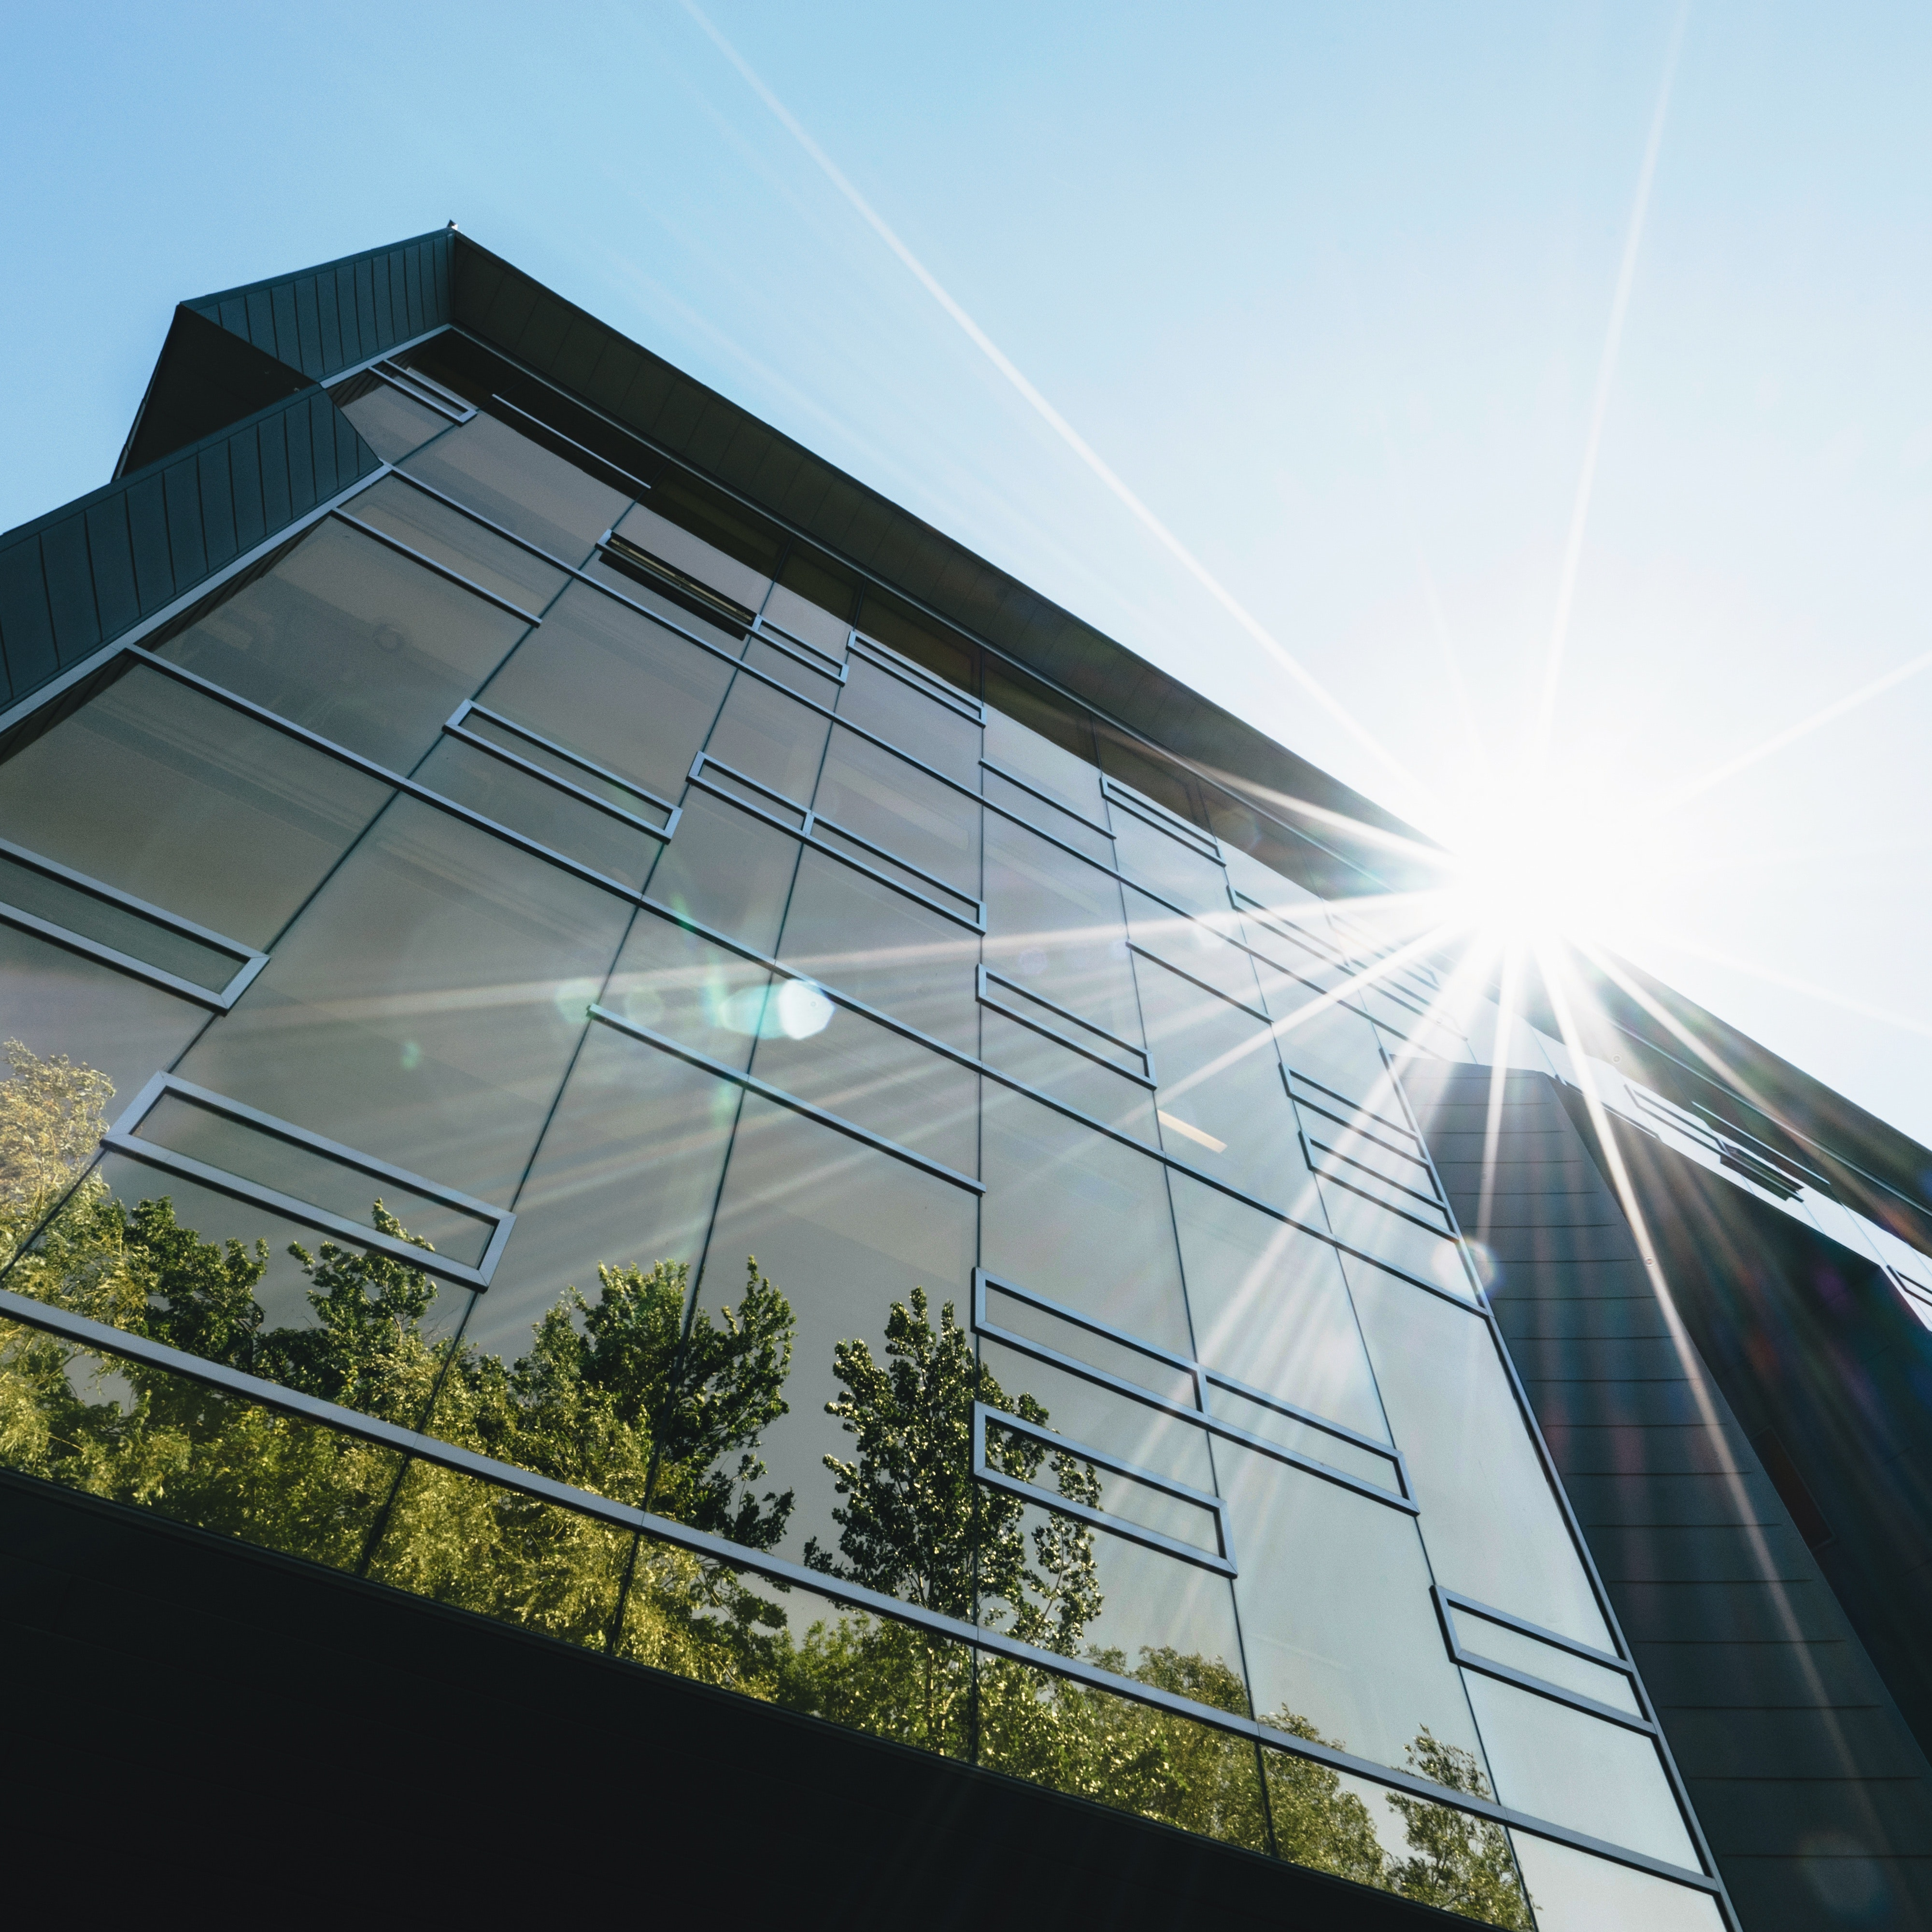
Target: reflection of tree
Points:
(619, 1395)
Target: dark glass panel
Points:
(845, 1235)
(1150, 773)
(731, 529)
(866, 791)
(1346, 1648)
(1073, 1078)
(615, 688)
(55, 1002)
(1176, 871)
(1271, 1310)
(1080, 1219)
(867, 939)
(866, 1073)
(626, 1179)
(1053, 924)
(1043, 738)
(1563, 1764)
(174, 797)
(434, 529)
(478, 1545)
(1019, 802)
(506, 478)
(352, 640)
(1491, 1522)
(391, 424)
(219, 1276)
(525, 803)
(896, 710)
(115, 1428)
(791, 668)
(691, 555)
(92, 916)
(426, 1005)
(921, 638)
(1575, 1892)
(690, 990)
(793, 1647)
(727, 870)
(1112, 1749)
(702, 619)
(770, 737)
(812, 602)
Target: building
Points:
(696, 1195)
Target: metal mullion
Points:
(881, 657)
(216, 1001)
(751, 1084)
(551, 429)
(1079, 818)
(505, 755)
(987, 977)
(441, 569)
(1194, 979)
(564, 752)
(99, 1336)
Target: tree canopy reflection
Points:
(625, 1394)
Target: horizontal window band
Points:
(1435, 1228)
(123, 1137)
(1362, 1167)
(1067, 811)
(455, 727)
(885, 658)
(1194, 979)
(633, 558)
(1201, 1415)
(1136, 808)
(808, 832)
(821, 663)
(248, 962)
(987, 979)
(436, 565)
(99, 1337)
(766, 1090)
(421, 389)
(1446, 1601)
(1220, 1561)
(604, 463)
(1338, 1106)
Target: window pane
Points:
(815, 684)
(1493, 1529)
(812, 605)
(727, 870)
(434, 528)
(424, 1007)
(1079, 1219)
(391, 424)
(677, 547)
(1017, 802)
(1574, 1892)
(1270, 1309)
(174, 797)
(353, 641)
(865, 939)
(1482, 1637)
(1151, 774)
(1194, 946)
(844, 1234)
(1167, 866)
(868, 791)
(1042, 738)
(1336, 1048)
(1050, 1067)
(1347, 1645)
(770, 737)
(506, 478)
(893, 709)
(690, 990)
(614, 688)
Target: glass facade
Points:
(572, 1056)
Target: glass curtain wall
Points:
(567, 1057)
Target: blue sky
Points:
(1327, 288)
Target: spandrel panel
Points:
(1079, 1219)
(1494, 1531)
(430, 526)
(626, 1179)
(1100, 1745)
(56, 1002)
(425, 1006)
(894, 710)
(354, 642)
(198, 1455)
(851, 932)
(1347, 1644)
(1055, 924)
(846, 1235)
(727, 870)
(391, 424)
(1135, 1611)
(1336, 1048)
(866, 790)
(866, 1073)
(1050, 1067)
(770, 737)
(690, 990)
(506, 478)
(1576, 1892)
(1562, 1765)
(1103, 1419)
(173, 797)
(614, 688)
(525, 803)
(1271, 1308)
(1176, 871)
(214, 1275)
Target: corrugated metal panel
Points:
(76, 578)
(328, 319)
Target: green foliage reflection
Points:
(626, 1395)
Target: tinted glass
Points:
(1575, 1892)
(770, 737)
(425, 524)
(727, 870)
(896, 709)
(866, 790)
(391, 424)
